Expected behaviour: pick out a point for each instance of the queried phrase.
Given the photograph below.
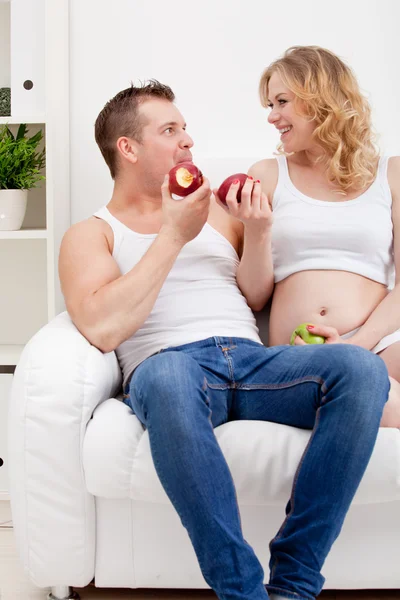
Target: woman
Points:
(336, 212)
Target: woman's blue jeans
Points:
(182, 393)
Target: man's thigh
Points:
(177, 384)
(287, 384)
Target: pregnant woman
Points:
(336, 212)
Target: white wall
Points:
(212, 53)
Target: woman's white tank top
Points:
(352, 235)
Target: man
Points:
(160, 281)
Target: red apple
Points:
(225, 185)
(185, 178)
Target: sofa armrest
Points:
(58, 382)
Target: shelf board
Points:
(28, 119)
(24, 234)
(10, 354)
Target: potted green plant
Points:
(20, 166)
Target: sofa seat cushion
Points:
(262, 456)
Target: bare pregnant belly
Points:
(335, 298)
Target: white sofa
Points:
(87, 503)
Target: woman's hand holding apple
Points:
(243, 198)
(307, 333)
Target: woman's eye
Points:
(280, 102)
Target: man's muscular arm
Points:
(108, 307)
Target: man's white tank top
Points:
(351, 235)
(199, 298)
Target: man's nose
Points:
(186, 141)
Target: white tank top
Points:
(199, 298)
(352, 235)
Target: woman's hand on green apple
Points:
(330, 334)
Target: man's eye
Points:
(169, 129)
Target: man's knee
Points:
(363, 370)
(354, 359)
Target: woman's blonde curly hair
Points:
(327, 92)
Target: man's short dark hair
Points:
(120, 117)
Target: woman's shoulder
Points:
(393, 176)
(267, 165)
(394, 164)
(266, 171)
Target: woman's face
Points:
(295, 130)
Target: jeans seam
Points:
(277, 386)
(230, 366)
(219, 386)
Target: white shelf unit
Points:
(34, 46)
(35, 233)
(22, 119)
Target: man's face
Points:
(165, 142)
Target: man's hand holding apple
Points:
(184, 219)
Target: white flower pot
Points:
(12, 209)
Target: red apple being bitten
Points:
(225, 185)
(185, 178)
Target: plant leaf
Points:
(21, 131)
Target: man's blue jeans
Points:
(182, 393)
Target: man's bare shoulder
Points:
(92, 223)
(87, 231)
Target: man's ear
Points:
(128, 149)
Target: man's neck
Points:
(135, 202)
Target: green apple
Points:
(306, 336)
